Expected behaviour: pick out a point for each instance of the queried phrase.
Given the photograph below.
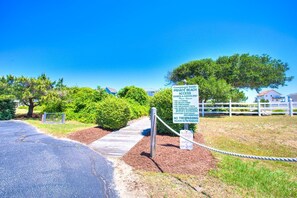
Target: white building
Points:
(293, 96)
(151, 92)
(271, 96)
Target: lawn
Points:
(59, 130)
(265, 136)
(236, 177)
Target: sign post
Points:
(185, 108)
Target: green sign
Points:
(185, 104)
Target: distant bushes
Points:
(96, 106)
(7, 108)
(112, 113)
(137, 110)
(163, 102)
(137, 94)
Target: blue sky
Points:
(119, 43)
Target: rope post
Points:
(153, 132)
(259, 107)
(290, 107)
(230, 107)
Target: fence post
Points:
(63, 118)
(153, 132)
(259, 108)
(202, 108)
(44, 117)
(290, 107)
(230, 108)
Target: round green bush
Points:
(137, 110)
(112, 113)
(135, 93)
(162, 100)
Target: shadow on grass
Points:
(35, 116)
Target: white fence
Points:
(259, 108)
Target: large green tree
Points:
(223, 78)
(30, 91)
(252, 71)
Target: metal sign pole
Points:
(186, 125)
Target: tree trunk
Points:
(31, 107)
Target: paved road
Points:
(33, 164)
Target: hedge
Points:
(7, 108)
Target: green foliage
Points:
(7, 108)
(28, 90)
(162, 100)
(135, 93)
(112, 113)
(253, 71)
(248, 175)
(211, 88)
(263, 100)
(81, 103)
(137, 110)
(221, 79)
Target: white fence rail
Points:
(259, 108)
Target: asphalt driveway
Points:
(33, 164)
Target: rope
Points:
(284, 159)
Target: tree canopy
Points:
(223, 78)
(28, 90)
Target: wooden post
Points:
(44, 117)
(230, 108)
(259, 107)
(153, 132)
(290, 107)
(202, 110)
(63, 118)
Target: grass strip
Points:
(257, 180)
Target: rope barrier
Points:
(284, 159)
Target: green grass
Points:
(256, 179)
(60, 130)
(264, 136)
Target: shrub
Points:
(162, 100)
(137, 110)
(80, 103)
(112, 113)
(7, 108)
(135, 93)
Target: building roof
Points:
(293, 94)
(267, 91)
(111, 90)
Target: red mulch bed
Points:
(169, 157)
(89, 135)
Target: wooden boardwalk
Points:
(118, 143)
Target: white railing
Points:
(259, 108)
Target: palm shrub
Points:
(112, 113)
(162, 100)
